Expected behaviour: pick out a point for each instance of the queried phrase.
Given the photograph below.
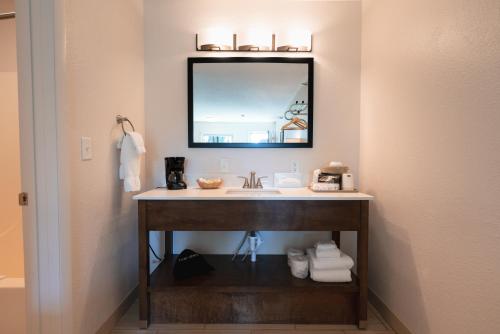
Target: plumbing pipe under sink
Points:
(254, 240)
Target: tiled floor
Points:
(128, 325)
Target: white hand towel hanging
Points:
(130, 161)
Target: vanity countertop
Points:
(293, 194)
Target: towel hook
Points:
(121, 119)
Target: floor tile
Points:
(133, 331)
(373, 311)
(371, 314)
(298, 331)
(127, 324)
(374, 321)
(130, 319)
(177, 326)
(376, 327)
(363, 331)
(203, 331)
(326, 327)
(288, 327)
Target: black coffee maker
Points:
(174, 170)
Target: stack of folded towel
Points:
(327, 263)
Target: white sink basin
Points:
(247, 191)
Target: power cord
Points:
(154, 254)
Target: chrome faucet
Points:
(252, 180)
(252, 184)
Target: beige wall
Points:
(170, 28)
(11, 230)
(103, 77)
(430, 154)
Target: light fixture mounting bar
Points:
(210, 46)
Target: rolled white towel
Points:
(294, 252)
(320, 263)
(337, 275)
(299, 266)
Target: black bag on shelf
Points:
(190, 263)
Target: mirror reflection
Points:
(250, 103)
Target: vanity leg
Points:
(169, 240)
(336, 237)
(143, 267)
(363, 266)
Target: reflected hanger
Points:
(295, 124)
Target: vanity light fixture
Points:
(255, 39)
(216, 39)
(301, 42)
(294, 41)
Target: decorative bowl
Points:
(209, 183)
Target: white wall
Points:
(103, 77)
(11, 229)
(170, 28)
(430, 155)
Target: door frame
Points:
(40, 56)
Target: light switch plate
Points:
(294, 166)
(86, 148)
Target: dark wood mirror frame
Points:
(309, 61)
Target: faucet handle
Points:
(259, 183)
(245, 184)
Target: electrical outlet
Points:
(86, 148)
(224, 166)
(294, 166)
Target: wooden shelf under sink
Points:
(245, 292)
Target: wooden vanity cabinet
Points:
(245, 292)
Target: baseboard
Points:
(113, 319)
(390, 318)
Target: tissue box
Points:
(288, 180)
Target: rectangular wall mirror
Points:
(250, 102)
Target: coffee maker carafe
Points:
(174, 170)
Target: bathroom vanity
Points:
(245, 292)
